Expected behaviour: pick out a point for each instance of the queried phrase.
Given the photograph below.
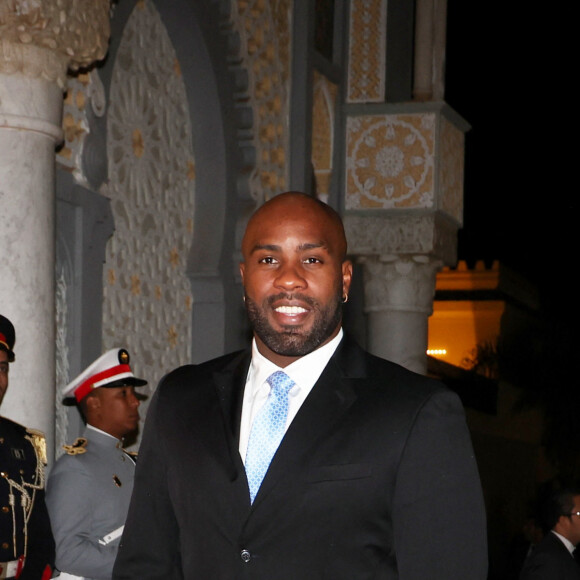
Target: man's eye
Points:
(268, 260)
(312, 260)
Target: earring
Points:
(345, 298)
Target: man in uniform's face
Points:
(7, 338)
(295, 276)
(114, 410)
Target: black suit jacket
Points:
(375, 478)
(550, 560)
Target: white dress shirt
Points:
(304, 372)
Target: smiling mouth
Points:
(290, 310)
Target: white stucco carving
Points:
(264, 29)
(40, 38)
(400, 284)
(62, 366)
(147, 297)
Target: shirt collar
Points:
(569, 545)
(97, 430)
(304, 372)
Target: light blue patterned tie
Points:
(267, 430)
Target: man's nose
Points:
(290, 277)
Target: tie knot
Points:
(280, 382)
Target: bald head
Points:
(301, 208)
(295, 275)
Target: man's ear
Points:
(93, 402)
(242, 269)
(346, 277)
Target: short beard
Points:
(290, 342)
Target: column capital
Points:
(44, 38)
(400, 284)
(384, 235)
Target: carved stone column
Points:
(398, 301)
(39, 41)
(403, 206)
(403, 169)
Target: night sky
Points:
(506, 75)
(520, 207)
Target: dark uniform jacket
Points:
(22, 474)
(374, 479)
(550, 560)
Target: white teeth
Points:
(290, 310)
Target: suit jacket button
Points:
(245, 555)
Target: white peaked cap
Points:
(109, 370)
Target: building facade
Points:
(137, 137)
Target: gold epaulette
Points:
(77, 448)
(38, 440)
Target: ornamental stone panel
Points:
(147, 296)
(389, 163)
(265, 29)
(367, 52)
(405, 161)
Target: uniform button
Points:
(5, 509)
(245, 555)
(5, 545)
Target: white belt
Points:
(8, 569)
(67, 576)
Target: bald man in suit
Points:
(373, 473)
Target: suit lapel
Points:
(211, 413)
(230, 384)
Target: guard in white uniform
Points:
(89, 488)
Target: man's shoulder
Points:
(384, 374)
(198, 372)
(11, 431)
(549, 556)
(69, 463)
(551, 544)
(9, 428)
(82, 456)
